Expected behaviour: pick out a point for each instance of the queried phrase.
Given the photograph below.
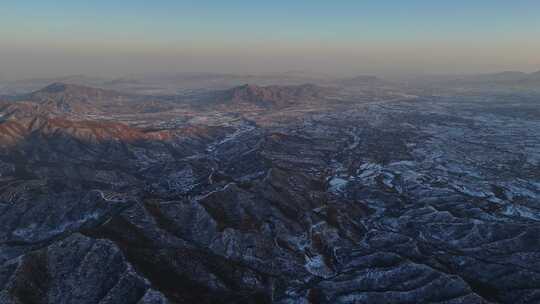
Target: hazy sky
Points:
(115, 37)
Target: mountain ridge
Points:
(276, 96)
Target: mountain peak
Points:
(61, 98)
(535, 75)
(62, 87)
(55, 87)
(273, 95)
(67, 91)
(249, 86)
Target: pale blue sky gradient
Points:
(240, 36)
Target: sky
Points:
(54, 38)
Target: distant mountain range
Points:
(62, 99)
(85, 113)
(363, 80)
(173, 83)
(504, 78)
